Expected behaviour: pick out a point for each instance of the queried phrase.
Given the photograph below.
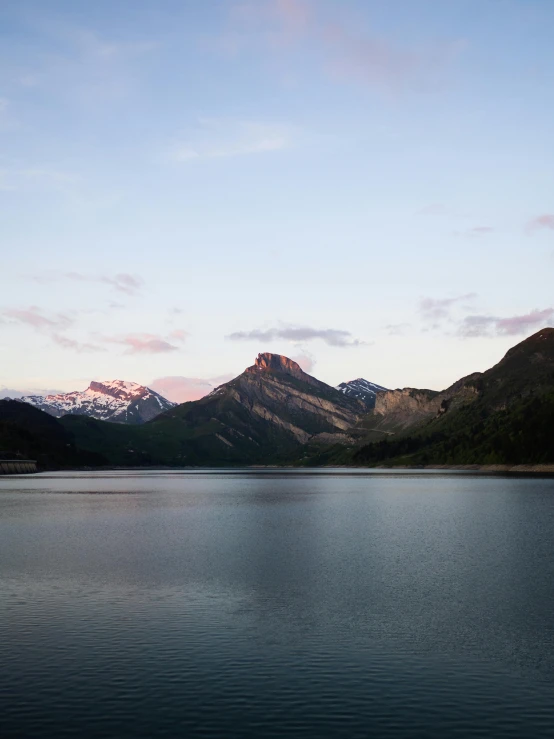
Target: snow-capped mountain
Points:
(113, 400)
(362, 390)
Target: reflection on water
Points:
(276, 603)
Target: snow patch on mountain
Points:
(117, 401)
(361, 390)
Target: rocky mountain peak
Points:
(117, 401)
(362, 390)
(277, 364)
(118, 389)
(267, 362)
(538, 346)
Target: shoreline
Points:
(515, 469)
(519, 469)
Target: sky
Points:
(365, 186)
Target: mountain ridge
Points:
(487, 417)
(272, 407)
(275, 413)
(117, 401)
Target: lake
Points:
(276, 603)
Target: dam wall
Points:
(17, 466)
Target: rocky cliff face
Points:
(501, 416)
(273, 406)
(278, 363)
(302, 407)
(398, 410)
(526, 370)
(113, 400)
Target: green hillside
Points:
(520, 434)
(509, 421)
(26, 432)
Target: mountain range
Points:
(275, 413)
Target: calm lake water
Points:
(276, 604)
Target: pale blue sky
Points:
(366, 185)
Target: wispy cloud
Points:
(544, 221)
(476, 232)
(346, 52)
(487, 325)
(436, 309)
(67, 343)
(36, 318)
(332, 337)
(481, 230)
(52, 325)
(219, 139)
(55, 326)
(122, 282)
(397, 329)
(143, 343)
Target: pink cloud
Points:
(124, 282)
(483, 325)
(50, 325)
(522, 324)
(182, 389)
(540, 222)
(370, 61)
(34, 317)
(77, 346)
(144, 344)
(305, 360)
(179, 335)
(345, 52)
